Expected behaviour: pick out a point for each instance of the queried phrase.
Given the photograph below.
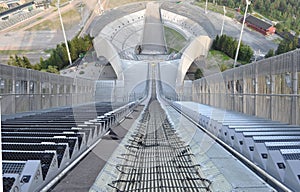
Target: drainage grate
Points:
(13, 168)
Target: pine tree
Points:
(270, 53)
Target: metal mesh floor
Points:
(156, 159)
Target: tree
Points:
(37, 67)
(12, 61)
(52, 69)
(215, 42)
(62, 52)
(228, 45)
(26, 63)
(223, 67)
(270, 53)
(295, 41)
(285, 46)
(286, 11)
(198, 74)
(73, 50)
(58, 57)
(20, 62)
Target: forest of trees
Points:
(284, 46)
(286, 12)
(287, 45)
(228, 45)
(58, 57)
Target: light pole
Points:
(100, 7)
(248, 2)
(206, 7)
(223, 21)
(64, 33)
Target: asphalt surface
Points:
(212, 23)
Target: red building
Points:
(260, 25)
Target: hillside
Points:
(286, 12)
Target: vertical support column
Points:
(295, 99)
(28, 86)
(245, 97)
(64, 92)
(193, 92)
(256, 89)
(75, 92)
(14, 91)
(14, 84)
(220, 92)
(272, 100)
(272, 91)
(30, 98)
(114, 91)
(233, 87)
(50, 91)
(40, 91)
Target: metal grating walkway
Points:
(156, 159)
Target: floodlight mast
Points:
(223, 21)
(206, 7)
(100, 7)
(64, 33)
(248, 2)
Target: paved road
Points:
(36, 40)
(212, 23)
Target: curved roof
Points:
(104, 48)
(197, 48)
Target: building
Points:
(14, 3)
(259, 25)
(24, 7)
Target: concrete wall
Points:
(269, 88)
(125, 32)
(27, 90)
(105, 48)
(199, 47)
(187, 27)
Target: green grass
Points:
(69, 18)
(257, 15)
(220, 54)
(219, 59)
(277, 40)
(13, 52)
(217, 8)
(175, 41)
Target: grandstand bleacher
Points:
(271, 145)
(36, 148)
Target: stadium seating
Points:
(271, 145)
(36, 148)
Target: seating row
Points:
(271, 145)
(36, 148)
